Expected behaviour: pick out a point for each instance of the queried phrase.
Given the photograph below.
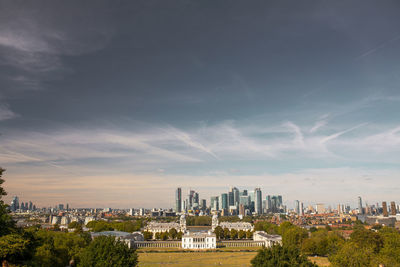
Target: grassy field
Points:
(320, 261)
(196, 259)
(199, 259)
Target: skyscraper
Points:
(384, 209)
(224, 201)
(360, 207)
(235, 192)
(178, 200)
(215, 203)
(268, 203)
(257, 201)
(392, 208)
(230, 198)
(203, 203)
(297, 206)
(14, 203)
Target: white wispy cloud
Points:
(6, 113)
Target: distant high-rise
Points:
(393, 208)
(301, 209)
(196, 200)
(231, 199)
(224, 201)
(320, 207)
(203, 204)
(178, 200)
(360, 206)
(215, 203)
(235, 192)
(245, 201)
(384, 209)
(297, 206)
(258, 201)
(14, 204)
(268, 203)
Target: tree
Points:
(219, 232)
(249, 234)
(294, 236)
(164, 235)
(173, 233)
(13, 248)
(108, 251)
(241, 234)
(7, 224)
(351, 255)
(157, 235)
(278, 255)
(147, 235)
(234, 234)
(74, 225)
(179, 235)
(227, 233)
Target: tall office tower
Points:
(320, 208)
(301, 209)
(131, 212)
(190, 199)
(360, 207)
(235, 192)
(30, 205)
(244, 193)
(203, 204)
(280, 201)
(215, 203)
(22, 207)
(257, 201)
(384, 209)
(245, 200)
(224, 201)
(241, 209)
(297, 206)
(392, 208)
(60, 206)
(230, 198)
(196, 199)
(268, 203)
(67, 207)
(178, 200)
(15, 203)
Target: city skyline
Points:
(119, 108)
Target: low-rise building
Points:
(199, 240)
(268, 239)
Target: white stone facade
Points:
(160, 227)
(244, 226)
(269, 240)
(199, 241)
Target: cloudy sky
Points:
(115, 104)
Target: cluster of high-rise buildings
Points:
(27, 206)
(376, 209)
(233, 202)
(16, 206)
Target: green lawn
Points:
(197, 259)
(234, 259)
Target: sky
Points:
(117, 103)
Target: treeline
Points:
(365, 247)
(125, 226)
(232, 234)
(198, 221)
(53, 248)
(172, 234)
